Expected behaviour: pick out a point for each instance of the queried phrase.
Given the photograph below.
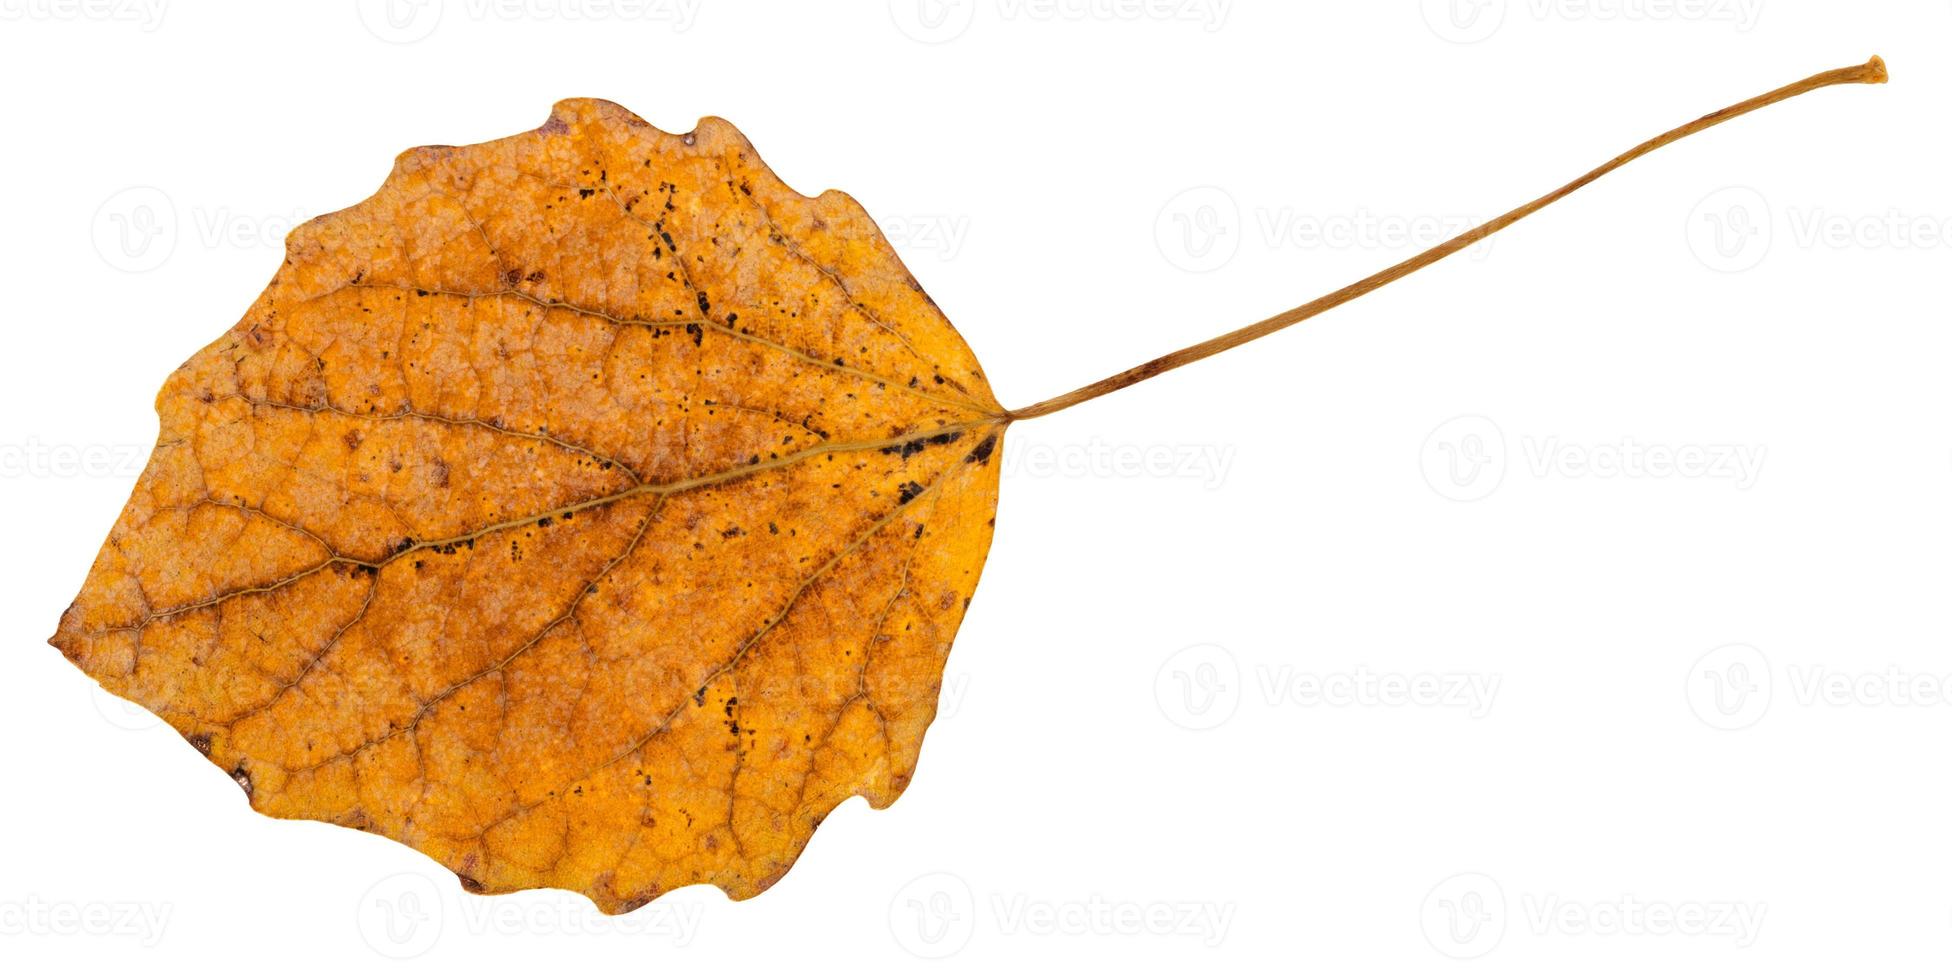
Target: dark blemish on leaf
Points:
(910, 490)
(201, 743)
(243, 778)
(981, 454)
(697, 334)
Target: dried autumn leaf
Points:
(586, 509)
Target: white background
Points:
(1656, 479)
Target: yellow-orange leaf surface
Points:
(586, 509)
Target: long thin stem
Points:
(1871, 72)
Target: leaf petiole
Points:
(1871, 72)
